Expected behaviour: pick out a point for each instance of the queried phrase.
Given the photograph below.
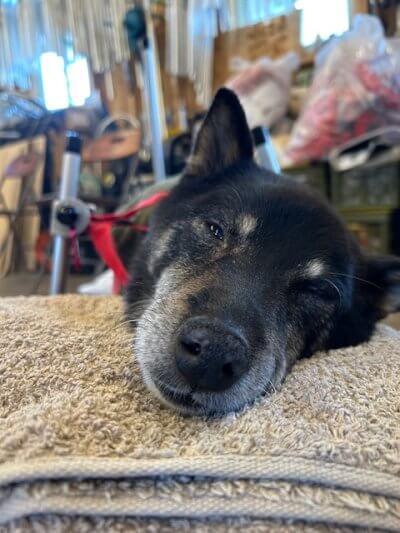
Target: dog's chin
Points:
(180, 401)
(190, 404)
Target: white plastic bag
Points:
(356, 89)
(263, 87)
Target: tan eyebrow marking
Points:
(246, 224)
(314, 268)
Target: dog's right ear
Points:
(224, 138)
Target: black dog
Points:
(242, 273)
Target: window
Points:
(64, 85)
(78, 81)
(322, 19)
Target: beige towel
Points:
(84, 446)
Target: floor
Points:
(24, 285)
(27, 284)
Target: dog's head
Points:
(244, 272)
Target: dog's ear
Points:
(383, 273)
(224, 138)
(376, 294)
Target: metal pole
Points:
(150, 80)
(69, 189)
(141, 40)
(60, 265)
(152, 96)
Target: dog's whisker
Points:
(121, 325)
(269, 387)
(336, 289)
(139, 305)
(237, 194)
(350, 276)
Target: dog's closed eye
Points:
(324, 289)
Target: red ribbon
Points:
(126, 215)
(100, 231)
(76, 256)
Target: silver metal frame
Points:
(69, 191)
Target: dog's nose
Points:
(209, 355)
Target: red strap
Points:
(100, 231)
(101, 236)
(115, 217)
(76, 256)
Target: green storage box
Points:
(376, 183)
(372, 227)
(315, 175)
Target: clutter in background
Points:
(366, 188)
(29, 29)
(264, 87)
(356, 88)
(362, 181)
(197, 23)
(95, 30)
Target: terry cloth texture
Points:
(85, 447)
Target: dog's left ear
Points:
(224, 138)
(383, 273)
(376, 295)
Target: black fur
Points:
(257, 283)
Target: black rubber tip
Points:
(260, 134)
(73, 142)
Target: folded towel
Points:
(84, 446)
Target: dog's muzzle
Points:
(210, 355)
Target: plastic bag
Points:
(356, 88)
(263, 87)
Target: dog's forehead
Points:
(277, 221)
(289, 227)
(281, 209)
